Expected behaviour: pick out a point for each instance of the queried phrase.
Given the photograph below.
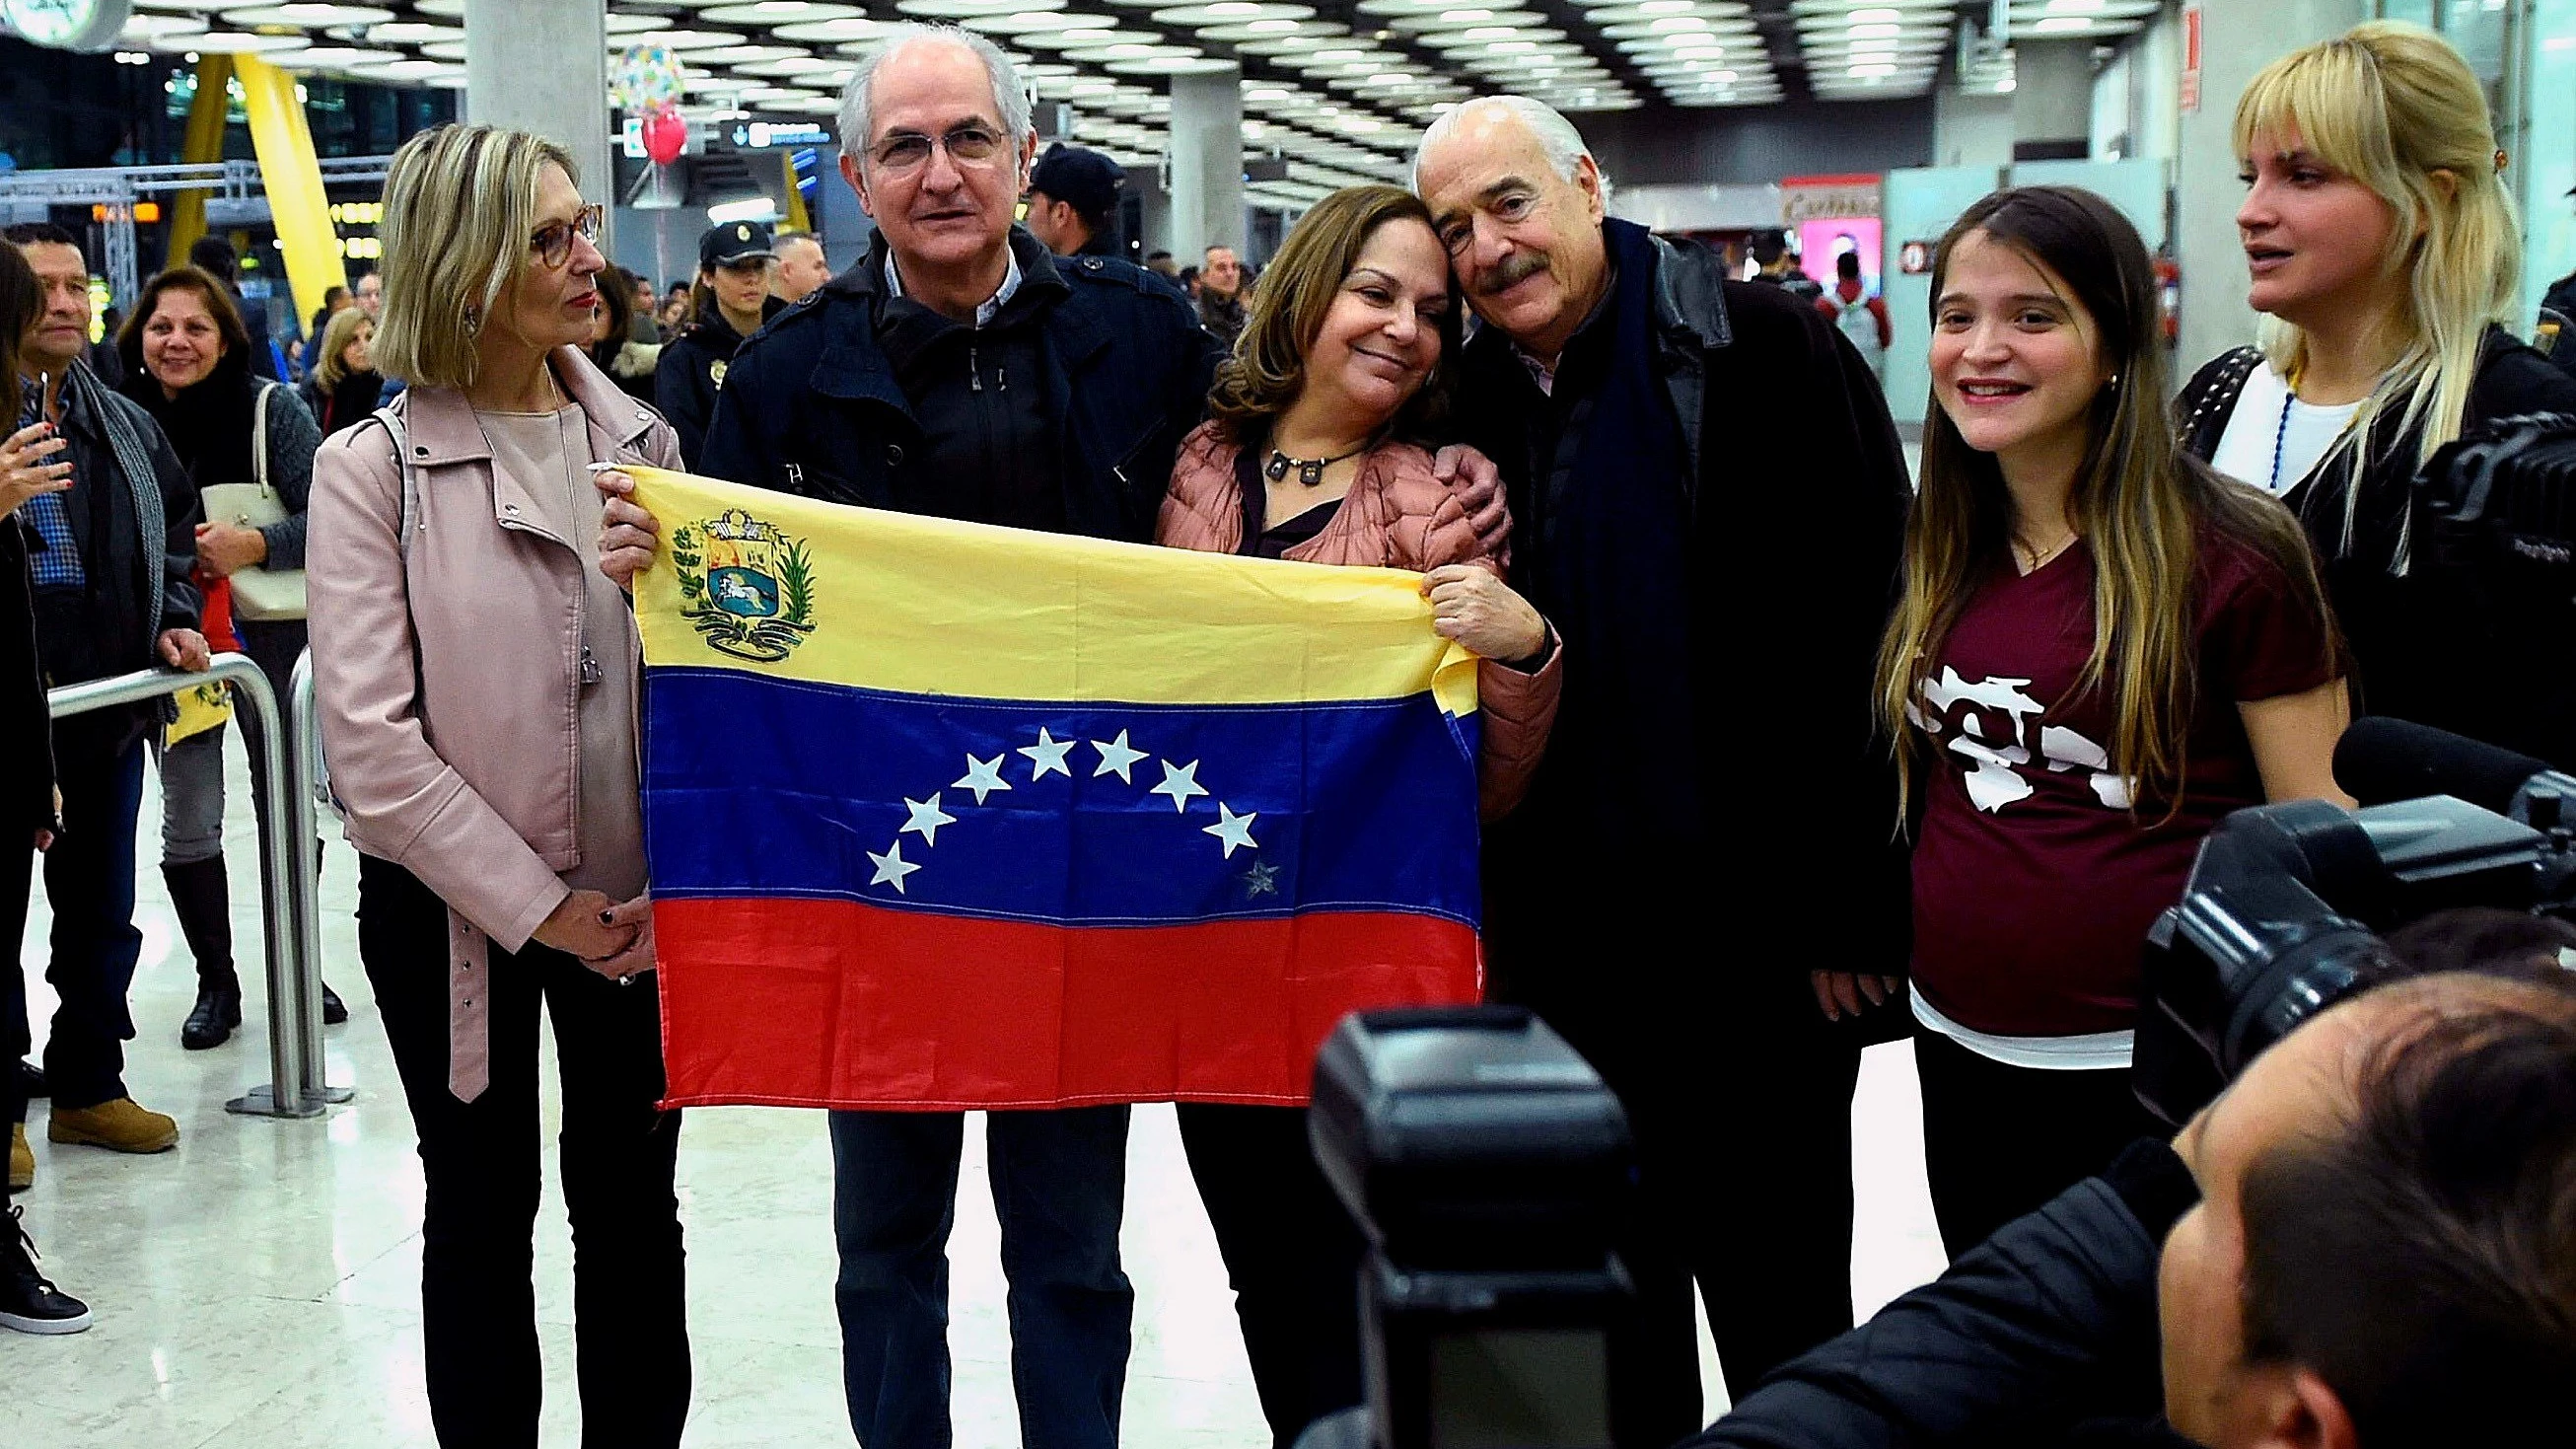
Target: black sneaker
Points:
(29, 1303)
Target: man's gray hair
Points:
(1557, 138)
(1011, 93)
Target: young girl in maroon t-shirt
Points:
(2102, 648)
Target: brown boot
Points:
(119, 1126)
(22, 1159)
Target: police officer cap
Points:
(1086, 180)
(734, 241)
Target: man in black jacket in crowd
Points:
(1707, 501)
(2362, 1244)
(111, 560)
(1073, 202)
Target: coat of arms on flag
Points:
(942, 815)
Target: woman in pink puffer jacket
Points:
(1307, 457)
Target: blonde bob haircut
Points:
(2394, 107)
(460, 206)
(337, 334)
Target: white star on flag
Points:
(926, 819)
(1180, 782)
(983, 777)
(1116, 758)
(891, 867)
(1049, 753)
(1233, 829)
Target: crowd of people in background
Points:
(2022, 684)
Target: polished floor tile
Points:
(259, 1287)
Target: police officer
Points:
(1073, 202)
(732, 298)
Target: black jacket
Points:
(2561, 300)
(2417, 651)
(210, 427)
(1703, 810)
(692, 371)
(26, 736)
(138, 578)
(2042, 1337)
(813, 406)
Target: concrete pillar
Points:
(1206, 163)
(2052, 100)
(2236, 41)
(542, 66)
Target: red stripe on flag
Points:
(834, 1003)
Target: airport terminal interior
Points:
(258, 1285)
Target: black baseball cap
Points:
(1085, 180)
(734, 241)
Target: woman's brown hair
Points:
(219, 305)
(616, 287)
(1286, 313)
(2141, 506)
(22, 300)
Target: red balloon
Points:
(666, 134)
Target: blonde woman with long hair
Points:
(2382, 248)
(2101, 649)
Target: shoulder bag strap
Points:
(259, 438)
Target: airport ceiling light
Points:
(1308, 35)
(1092, 38)
(840, 31)
(965, 9)
(307, 16)
(401, 32)
(344, 58)
(685, 41)
(2079, 19)
(142, 29)
(767, 13)
(1231, 14)
(1465, 17)
(803, 69)
(246, 42)
(730, 55)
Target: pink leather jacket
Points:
(446, 666)
(1398, 516)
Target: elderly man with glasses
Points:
(959, 370)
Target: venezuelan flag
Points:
(942, 815)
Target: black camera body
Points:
(2282, 914)
(1492, 1172)
(2494, 576)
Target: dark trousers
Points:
(89, 881)
(1999, 1141)
(1761, 1077)
(482, 1161)
(1059, 1188)
(1292, 1255)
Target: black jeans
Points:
(89, 880)
(482, 1161)
(2000, 1141)
(1292, 1255)
(1759, 1076)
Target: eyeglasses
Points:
(908, 151)
(553, 242)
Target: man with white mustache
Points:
(1706, 490)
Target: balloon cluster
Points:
(647, 79)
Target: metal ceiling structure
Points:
(1340, 88)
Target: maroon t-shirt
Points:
(2034, 882)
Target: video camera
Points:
(2494, 573)
(2281, 917)
(1492, 1173)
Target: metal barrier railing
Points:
(294, 918)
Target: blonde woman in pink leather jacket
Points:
(476, 679)
(1313, 452)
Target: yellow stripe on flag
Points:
(788, 587)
